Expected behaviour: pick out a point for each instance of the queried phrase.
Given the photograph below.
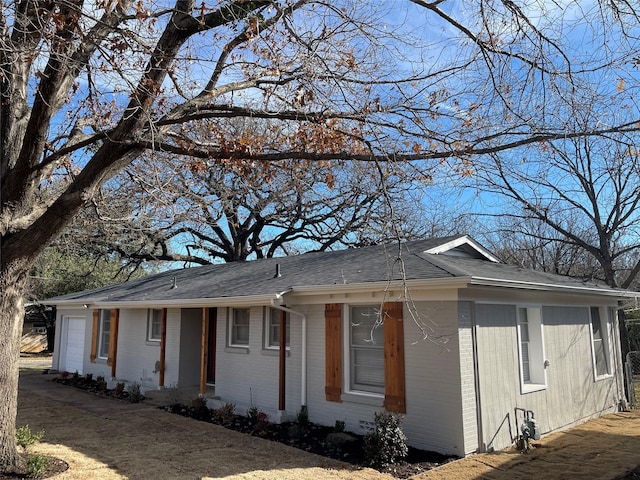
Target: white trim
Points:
(536, 351)
(605, 327)
(103, 315)
(493, 282)
(266, 329)
(458, 242)
(150, 318)
(239, 301)
(231, 316)
(347, 363)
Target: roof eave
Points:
(238, 301)
(454, 282)
(494, 282)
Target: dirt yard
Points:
(107, 439)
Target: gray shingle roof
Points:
(343, 267)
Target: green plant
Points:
(135, 394)
(37, 465)
(119, 390)
(101, 383)
(262, 423)
(252, 415)
(258, 421)
(88, 378)
(225, 415)
(25, 437)
(386, 443)
(302, 417)
(339, 426)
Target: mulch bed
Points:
(318, 439)
(98, 385)
(632, 475)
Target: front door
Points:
(211, 347)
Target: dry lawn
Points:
(107, 439)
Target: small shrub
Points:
(225, 415)
(302, 417)
(258, 421)
(88, 378)
(199, 409)
(252, 415)
(119, 390)
(135, 394)
(25, 437)
(64, 375)
(339, 426)
(262, 423)
(386, 443)
(37, 465)
(75, 377)
(101, 383)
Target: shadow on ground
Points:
(604, 448)
(103, 438)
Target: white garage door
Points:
(74, 346)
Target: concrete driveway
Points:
(103, 438)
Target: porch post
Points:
(282, 356)
(112, 360)
(163, 346)
(203, 351)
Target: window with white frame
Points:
(272, 328)
(600, 341)
(239, 327)
(104, 334)
(366, 349)
(154, 324)
(531, 349)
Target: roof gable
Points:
(463, 246)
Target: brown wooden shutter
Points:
(94, 335)
(114, 317)
(333, 352)
(394, 381)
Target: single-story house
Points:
(438, 330)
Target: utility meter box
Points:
(534, 429)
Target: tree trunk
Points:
(13, 280)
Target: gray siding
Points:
(572, 394)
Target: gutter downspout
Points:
(278, 306)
